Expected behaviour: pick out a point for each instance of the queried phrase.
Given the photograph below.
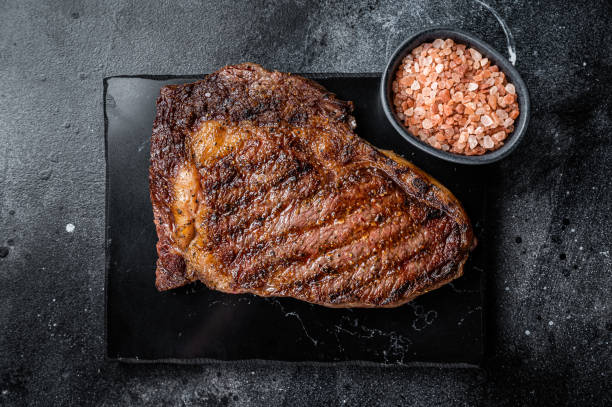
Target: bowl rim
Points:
(486, 50)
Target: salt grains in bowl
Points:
(455, 97)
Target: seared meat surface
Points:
(260, 185)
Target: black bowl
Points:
(520, 124)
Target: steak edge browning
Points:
(260, 185)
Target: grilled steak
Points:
(260, 185)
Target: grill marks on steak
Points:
(355, 217)
(259, 185)
(299, 243)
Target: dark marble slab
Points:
(548, 217)
(195, 325)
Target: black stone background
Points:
(549, 302)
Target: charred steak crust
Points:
(259, 184)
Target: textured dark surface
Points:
(549, 303)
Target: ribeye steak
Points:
(260, 185)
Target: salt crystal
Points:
(207, 94)
(487, 142)
(439, 68)
(499, 136)
(416, 67)
(502, 114)
(476, 56)
(419, 111)
(472, 86)
(478, 130)
(434, 85)
(493, 90)
(510, 89)
(472, 142)
(427, 124)
(484, 62)
(492, 102)
(486, 120)
(439, 43)
(409, 112)
(508, 122)
(415, 85)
